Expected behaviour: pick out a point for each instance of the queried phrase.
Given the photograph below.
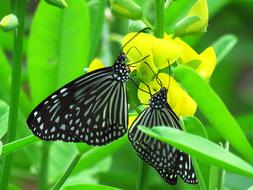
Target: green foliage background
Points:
(60, 43)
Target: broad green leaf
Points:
(245, 122)
(201, 149)
(89, 187)
(4, 113)
(18, 144)
(58, 47)
(214, 110)
(194, 126)
(98, 153)
(58, 161)
(96, 10)
(215, 6)
(224, 45)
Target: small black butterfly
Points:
(167, 160)
(92, 108)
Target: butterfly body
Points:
(90, 109)
(167, 160)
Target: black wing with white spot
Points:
(91, 109)
(156, 153)
(163, 157)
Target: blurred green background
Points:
(100, 31)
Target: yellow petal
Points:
(189, 54)
(131, 120)
(138, 47)
(207, 66)
(95, 64)
(165, 51)
(199, 9)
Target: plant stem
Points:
(143, 172)
(67, 173)
(20, 6)
(142, 180)
(159, 26)
(222, 173)
(43, 183)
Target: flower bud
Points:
(196, 20)
(58, 3)
(9, 22)
(136, 25)
(126, 9)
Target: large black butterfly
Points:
(92, 108)
(167, 160)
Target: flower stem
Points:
(20, 6)
(159, 26)
(43, 183)
(143, 172)
(142, 180)
(67, 173)
(222, 173)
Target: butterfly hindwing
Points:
(80, 106)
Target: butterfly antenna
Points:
(138, 86)
(149, 90)
(138, 60)
(143, 30)
(134, 48)
(157, 78)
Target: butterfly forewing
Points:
(155, 152)
(83, 110)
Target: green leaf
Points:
(194, 126)
(214, 110)
(88, 186)
(4, 113)
(58, 47)
(98, 153)
(200, 148)
(96, 10)
(224, 45)
(18, 144)
(215, 6)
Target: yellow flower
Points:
(163, 52)
(95, 64)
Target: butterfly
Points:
(167, 160)
(92, 108)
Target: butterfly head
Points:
(121, 70)
(158, 99)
